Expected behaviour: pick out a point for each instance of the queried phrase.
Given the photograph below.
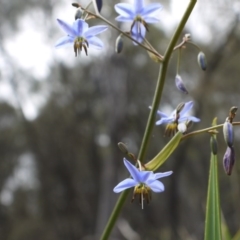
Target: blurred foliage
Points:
(93, 106)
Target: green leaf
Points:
(213, 216)
(163, 155)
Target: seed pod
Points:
(179, 84)
(202, 61)
(228, 160)
(228, 133)
(119, 44)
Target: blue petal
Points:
(145, 176)
(95, 42)
(80, 26)
(125, 184)
(124, 19)
(125, 10)
(151, 9)
(132, 170)
(190, 118)
(156, 186)
(151, 19)
(67, 28)
(161, 114)
(161, 175)
(187, 107)
(92, 31)
(138, 32)
(64, 41)
(165, 120)
(138, 6)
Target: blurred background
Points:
(61, 118)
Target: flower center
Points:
(144, 193)
(80, 43)
(139, 20)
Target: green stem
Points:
(178, 60)
(205, 130)
(151, 118)
(161, 80)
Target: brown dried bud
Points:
(123, 147)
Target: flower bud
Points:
(179, 84)
(228, 133)
(123, 147)
(78, 14)
(202, 61)
(228, 160)
(119, 44)
(214, 146)
(99, 5)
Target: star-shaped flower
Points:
(143, 181)
(80, 35)
(178, 117)
(139, 15)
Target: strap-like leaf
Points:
(213, 215)
(163, 155)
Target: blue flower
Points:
(80, 35)
(143, 181)
(178, 117)
(139, 15)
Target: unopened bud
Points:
(78, 14)
(228, 133)
(119, 44)
(180, 85)
(202, 61)
(214, 146)
(123, 147)
(228, 160)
